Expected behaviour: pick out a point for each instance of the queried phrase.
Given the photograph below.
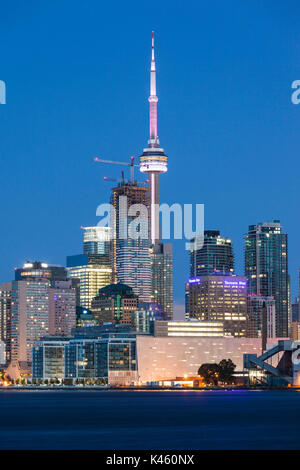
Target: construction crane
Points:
(111, 179)
(131, 165)
(115, 180)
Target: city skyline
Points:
(70, 198)
(150, 265)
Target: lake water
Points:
(110, 419)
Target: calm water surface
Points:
(149, 420)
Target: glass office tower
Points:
(92, 274)
(96, 241)
(258, 307)
(162, 276)
(92, 268)
(266, 268)
(215, 256)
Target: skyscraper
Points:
(29, 316)
(5, 316)
(256, 321)
(153, 162)
(42, 301)
(295, 310)
(299, 294)
(33, 269)
(92, 276)
(131, 257)
(295, 331)
(162, 276)
(220, 299)
(62, 308)
(96, 241)
(266, 268)
(215, 256)
(92, 268)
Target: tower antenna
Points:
(153, 160)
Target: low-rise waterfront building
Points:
(48, 358)
(191, 327)
(163, 358)
(94, 332)
(123, 358)
(110, 358)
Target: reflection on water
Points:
(83, 419)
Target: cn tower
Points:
(153, 161)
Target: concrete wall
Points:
(168, 357)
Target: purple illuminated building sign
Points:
(235, 283)
(194, 280)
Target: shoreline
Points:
(147, 389)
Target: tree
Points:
(209, 373)
(226, 369)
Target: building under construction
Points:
(130, 253)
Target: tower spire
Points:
(153, 100)
(153, 69)
(153, 160)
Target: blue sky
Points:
(77, 76)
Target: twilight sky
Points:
(77, 77)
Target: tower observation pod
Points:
(153, 160)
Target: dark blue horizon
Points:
(77, 78)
